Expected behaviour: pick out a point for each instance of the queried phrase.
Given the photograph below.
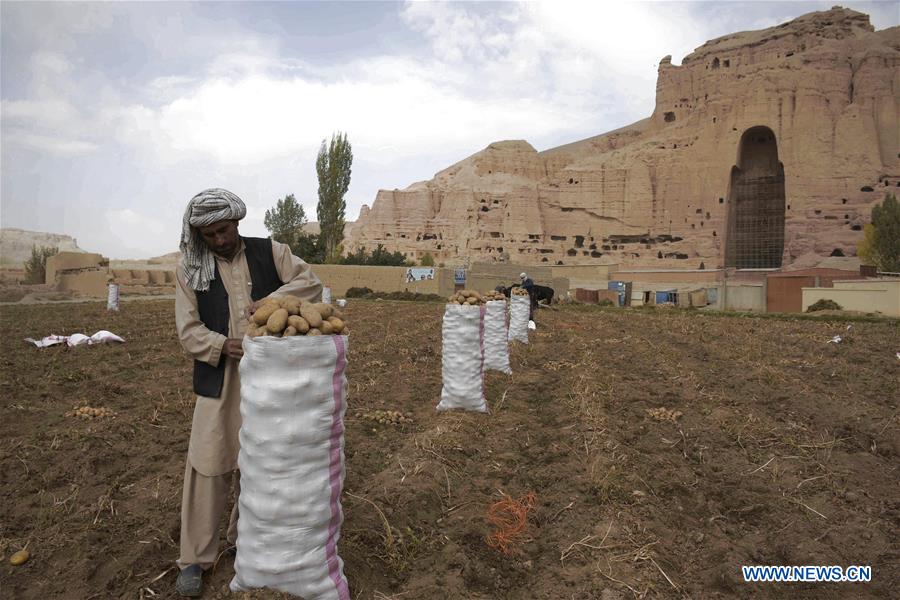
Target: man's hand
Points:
(232, 348)
(252, 308)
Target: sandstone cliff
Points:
(16, 244)
(764, 146)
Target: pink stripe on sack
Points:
(481, 335)
(334, 471)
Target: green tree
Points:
(427, 260)
(286, 220)
(379, 257)
(36, 266)
(382, 258)
(333, 169)
(285, 223)
(880, 245)
(309, 248)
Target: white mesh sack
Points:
(293, 398)
(519, 311)
(496, 343)
(462, 359)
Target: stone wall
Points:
(340, 278)
(72, 261)
(881, 296)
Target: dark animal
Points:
(543, 294)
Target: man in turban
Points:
(528, 284)
(221, 278)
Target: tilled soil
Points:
(665, 449)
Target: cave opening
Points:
(756, 203)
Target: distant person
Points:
(528, 284)
(220, 279)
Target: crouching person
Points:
(221, 277)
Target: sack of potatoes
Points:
(519, 291)
(286, 316)
(466, 297)
(493, 295)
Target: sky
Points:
(114, 115)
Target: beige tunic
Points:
(214, 444)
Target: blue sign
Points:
(459, 277)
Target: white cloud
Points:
(513, 74)
(231, 107)
(45, 143)
(131, 233)
(51, 111)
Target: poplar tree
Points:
(333, 169)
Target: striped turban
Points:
(208, 207)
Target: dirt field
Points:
(773, 448)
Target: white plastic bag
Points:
(293, 398)
(112, 297)
(462, 359)
(76, 339)
(326, 295)
(519, 313)
(496, 343)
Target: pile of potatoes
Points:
(466, 297)
(387, 417)
(519, 291)
(285, 316)
(665, 414)
(87, 412)
(493, 295)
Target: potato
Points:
(292, 304)
(263, 312)
(277, 321)
(289, 331)
(298, 323)
(312, 316)
(337, 313)
(314, 332)
(326, 310)
(19, 558)
(337, 324)
(326, 328)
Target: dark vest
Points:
(213, 308)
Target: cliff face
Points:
(15, 244)
(764, 146)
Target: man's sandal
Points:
(190, 581)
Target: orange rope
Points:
(510, 517)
